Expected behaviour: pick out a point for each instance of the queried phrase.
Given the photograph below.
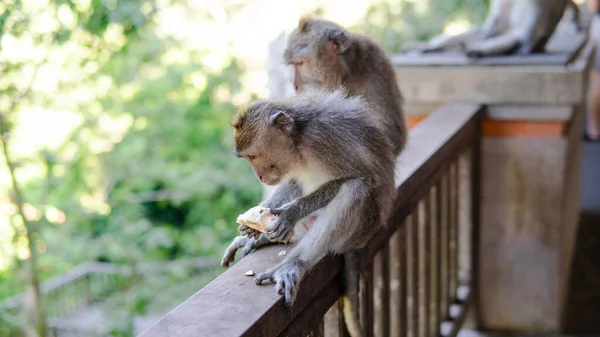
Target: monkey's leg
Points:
(499, 45)
(283, 193)
(576, 16)
(444, 42)
(336, 228)
(292, 212)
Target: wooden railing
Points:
(418, 274)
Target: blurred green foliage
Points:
(119, 132)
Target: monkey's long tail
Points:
(351, 300)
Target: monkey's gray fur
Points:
(338, 164)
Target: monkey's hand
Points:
(283, 227)
(248, 245)
(286, 276)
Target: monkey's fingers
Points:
(248, 248)
(279, 231)
(249, 232)
(229, 255)
(268, 275)
(280, 287)
(243, 229)
(291, 289)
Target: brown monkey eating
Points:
(327, 156)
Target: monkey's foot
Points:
(286, 276)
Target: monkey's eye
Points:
(251, 157)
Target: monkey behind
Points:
(325, 55)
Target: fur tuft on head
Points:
(238, 119)
(304, 22)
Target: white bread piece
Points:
(257, 217)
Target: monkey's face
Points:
(261, 140)
(313, 50)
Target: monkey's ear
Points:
(282, 121)
(303, 22)
(339, 40)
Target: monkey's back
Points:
(342, 131)
(372, 76)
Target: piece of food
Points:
(249, 273)
(282, 253)
(258, 218)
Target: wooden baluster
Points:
(423, 235)
(412, 244)
(381, 297)
(366, 301)
(464, 216)
(334, 321)
(398, 280)
(443, 200)
(384, 263)
(319, 331)
(475, 177)
(434, 261)
(452, 235)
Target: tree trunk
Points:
(32, 306)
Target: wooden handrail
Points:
(233, 305)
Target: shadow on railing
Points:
(418, 274)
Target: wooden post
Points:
(530, 163)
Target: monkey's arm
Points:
(443, 42)
(283, 193)
(498, 45)
(343, 224)
(290, 213)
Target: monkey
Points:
(320, 53)
(327, 154)
(511, 26)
